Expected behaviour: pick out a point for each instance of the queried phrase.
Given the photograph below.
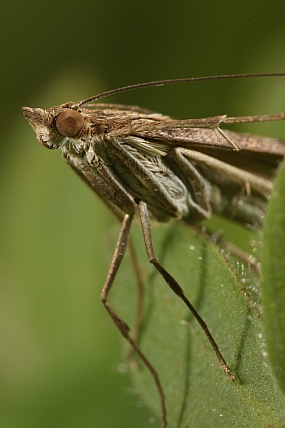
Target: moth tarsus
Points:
(139, 161)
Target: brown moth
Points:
(143, 162)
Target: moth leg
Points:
(139, 313)
(140, 297)
(219, 131)
(175, 287)
(139, 283)
(122, 326)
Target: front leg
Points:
(121, 324)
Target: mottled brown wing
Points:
(259, 155)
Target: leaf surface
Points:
(198, 393)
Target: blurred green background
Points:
(62, 361)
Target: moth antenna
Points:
(170, 82)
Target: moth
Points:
(141, 162)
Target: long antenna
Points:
(172, 81)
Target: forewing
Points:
(259, 155)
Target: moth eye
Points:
(69, 123)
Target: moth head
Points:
(54, 127)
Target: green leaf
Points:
(198, 393)
(273, 284)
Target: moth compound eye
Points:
(69, 123)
